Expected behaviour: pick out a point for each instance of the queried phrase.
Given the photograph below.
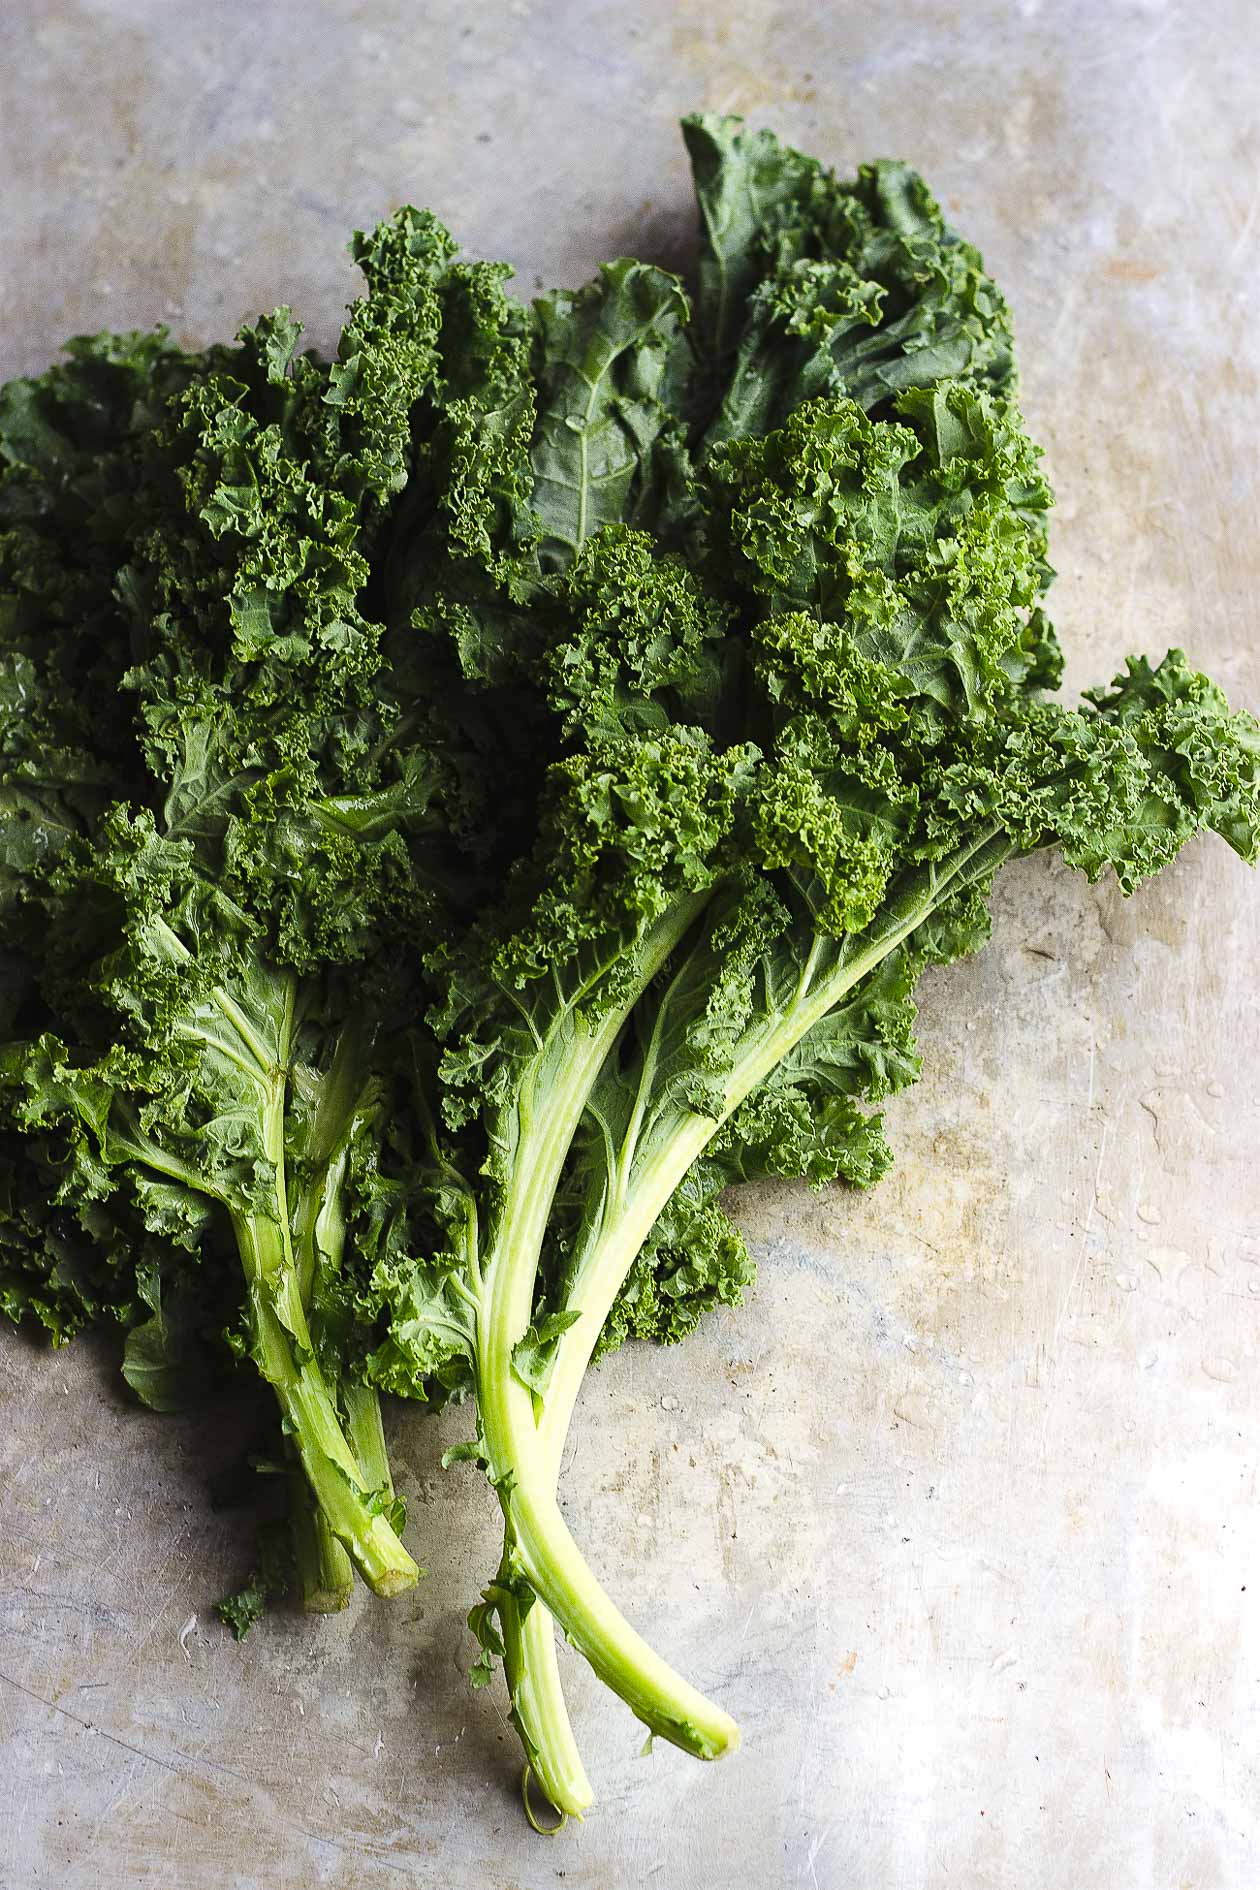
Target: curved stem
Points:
(283, 1351)
(602, 1270)
(539, 1712)
(286, 1358)
(549, 1102)
(288, 1258)
(545, 1544)
(554, 1566)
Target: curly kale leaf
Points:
(603, 363)
(809, 286)
(923, 539)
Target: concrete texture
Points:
(959, 1515)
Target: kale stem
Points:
(325, 1573)
(549, 1102)
(547, 1553)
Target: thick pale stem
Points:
(538, 1706)
(603, 1269)
(505, 1313)
(554, 1567)
(613, 1647)
(366, 1433)
(319, 1237)
(550, 1101)
(282, 1348)
(552, 1563)
(325, 1573)
(286, 1358)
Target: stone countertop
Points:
(959, 1514)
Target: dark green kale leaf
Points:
(809, 286)
(204, 894)
(603, 358)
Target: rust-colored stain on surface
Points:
(1129, 269)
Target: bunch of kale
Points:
(633, 699)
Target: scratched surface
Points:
(959, 1516)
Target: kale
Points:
(547, 746)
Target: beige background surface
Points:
(959, 1515)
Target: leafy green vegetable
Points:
(602, 356)
(802, 728)
(203, 888)
(809, 286)
(550, 744)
